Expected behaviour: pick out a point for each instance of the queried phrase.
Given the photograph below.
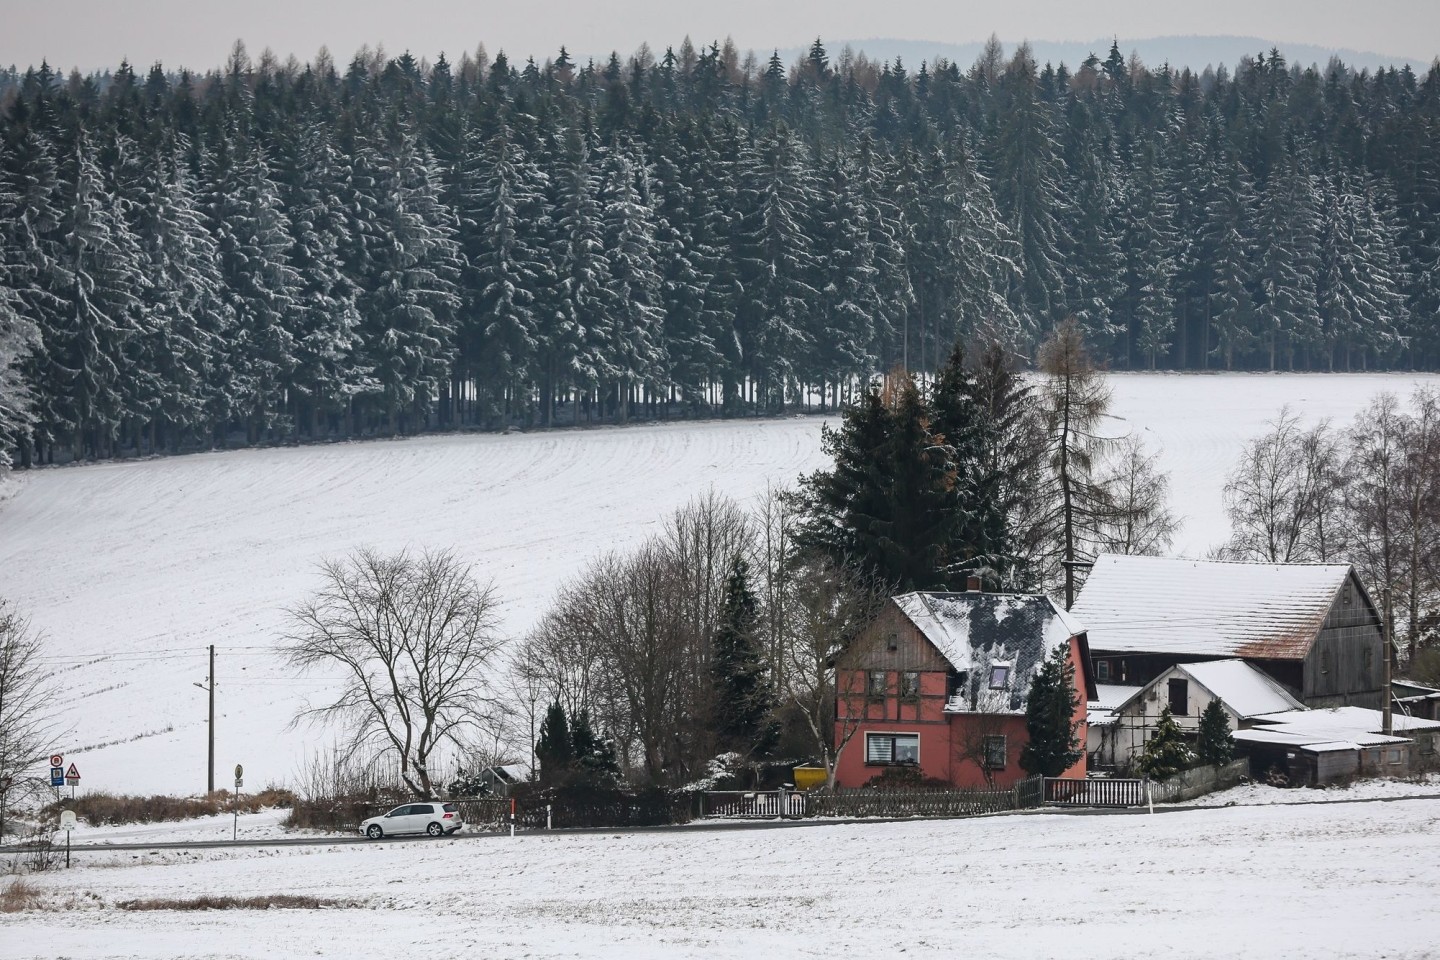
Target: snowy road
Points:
(1323, 880)
(132, 569)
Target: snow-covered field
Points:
(132, 569)
(1321, 880)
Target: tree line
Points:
(1362, 493)
(273, 251)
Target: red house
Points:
(939, 682)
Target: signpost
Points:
(67, 823)
(239, 782)
(72, 777)
(57, 771)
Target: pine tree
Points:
(574, 341)
(1216, 745)
(1166, 752)
(555, 748)
(743, 696)
(594, 758)
(1051, 744)
(636, 344)
(1288, 229)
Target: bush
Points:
(906, 778)
(583, 805)
(19, 895)
(273, 901)
(104, 809)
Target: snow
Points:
(1313, 879)
(1262, 794)
(1246, 691)
(1343, 723)
(132, 569)
(1206, 607)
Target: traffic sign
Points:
(57, 776)
(72, 773)
(239, 771)
(67, 819)
(57, 760)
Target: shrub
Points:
(19, 894)
(905, 778)
(104, 809)
(273, 901)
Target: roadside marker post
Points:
(235, 802)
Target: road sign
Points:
(57, 776)
(57, 760)
(72, 773)
(67, 819)
(239, 782)
(239, 771)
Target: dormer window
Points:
(999, 676)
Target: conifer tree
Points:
(1051, 742)
(743, 695)
(554, 747)
(1166, 752)
(1216, 745)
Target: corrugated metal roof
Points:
(975, 632)
(1206, 607)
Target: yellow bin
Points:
(808, 777)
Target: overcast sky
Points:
(198, 33)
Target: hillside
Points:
(132, 569)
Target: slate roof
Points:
(1207, 607)
(975, 632)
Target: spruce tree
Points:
(1051, 744)
(1216, 745)
(555, 747)
(743, 695)
(1166, 752)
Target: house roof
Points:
(1342, 723)
(975, 632)
(1246, 691)
(1207, 607)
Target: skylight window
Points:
(999, 676)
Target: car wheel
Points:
(434, 829)
(374, 832)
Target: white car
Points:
(436, 819)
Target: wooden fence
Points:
(1079, 792)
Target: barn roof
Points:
(1266, 611)
(975, 632)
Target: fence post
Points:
(547, 817)
(1149, 797)
(780, 805)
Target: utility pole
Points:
(210, 688)
(1389, 726)
(210, 779)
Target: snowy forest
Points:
(273, 251)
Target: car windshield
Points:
(451, 807)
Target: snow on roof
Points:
(1206, 607)
(1110, 696)
(1343, 723)
(1246, 691)
(977, 631)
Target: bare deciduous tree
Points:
(26, 723)
(1281, 498)
(1139, 520)
(412, 638)
(829, 608)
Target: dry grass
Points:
(19, 895)
(104, 809)
(273, 901)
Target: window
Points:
(894, 642)
(1326, 661)
(910, 685)
(1102, 671)
(1349, 597)
(1394, 756)
(877, 684)
(999, 676)
(1180, 697)
(995, 753)
(886, 748)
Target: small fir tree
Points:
(594, 757)
(1216, 746)
(743, 696)
(555, 748)
(1166, 753)
(1050, 725)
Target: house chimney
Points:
(972, 585)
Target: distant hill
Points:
(1194, 52)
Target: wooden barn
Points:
(937, 686)
(1310, 627)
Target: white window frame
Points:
(873, 735)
